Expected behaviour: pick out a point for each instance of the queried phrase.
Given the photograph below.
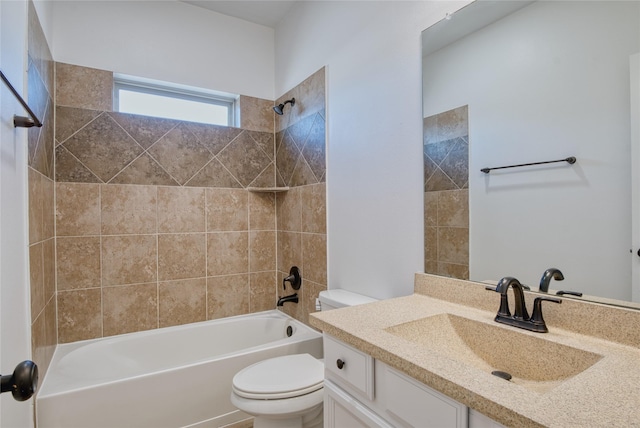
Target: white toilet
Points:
(287, 391)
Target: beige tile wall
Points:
(105, 147)
(302, 242)
(446, 198)
(300, 136)
(138, 257)
(301, 212)
(41, 196)
(156, 227)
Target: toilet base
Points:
(305, 411)
(312, 419)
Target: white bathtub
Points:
(170, 377)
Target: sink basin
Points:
(534, 363)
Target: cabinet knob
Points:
(340, 364)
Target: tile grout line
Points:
(157, 260)
(206, 253)
(101, 264)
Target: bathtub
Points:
(170, 377)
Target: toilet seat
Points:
(280, 378)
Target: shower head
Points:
(279, 108)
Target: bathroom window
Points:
(149, 98)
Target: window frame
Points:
(174, 91)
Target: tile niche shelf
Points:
(267, 189)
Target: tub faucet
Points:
(546, 278)
(291, 298)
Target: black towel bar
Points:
(21, 121)
(570, 160)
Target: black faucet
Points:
(291, 298)
(546, 278)
(521, 317)
(521, 309)
(558, 276)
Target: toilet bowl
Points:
(281, 392)
(287, 391)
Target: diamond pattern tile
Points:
(144, 170)
(144, 129)
(213, 137)
(299, 131)
(70, 169)
(244, 158)
(286, 157)
(112, 147)
(69, 120)
(180, 153)
(265, 141)
(446, 164)
(103, 147)
(313, 150)
(302, 174)
(214, 174)
(301, 155)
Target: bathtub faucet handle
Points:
(294, 279)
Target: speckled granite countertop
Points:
(606, 394)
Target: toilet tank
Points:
(337, 298)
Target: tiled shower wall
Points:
(301, 212)
(41, 196)
(155, 225)
(446, 198)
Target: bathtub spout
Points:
(292, 298)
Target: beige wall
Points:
(155, 225)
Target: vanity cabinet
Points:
(363, 392)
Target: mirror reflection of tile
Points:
(446, 181)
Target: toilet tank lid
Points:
(339, 298)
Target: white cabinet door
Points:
(343, 411)
(409, 403)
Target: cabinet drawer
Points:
(348, 367)
(413, 404)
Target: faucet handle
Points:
(536, 317)
(568, 293)
(294, 278)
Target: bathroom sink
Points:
(534, 363)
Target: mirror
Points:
(507, 83)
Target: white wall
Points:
(44, 10)
(374, 120)
(634, 67)
(15, 318)
(535, 97)
(166, 40)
